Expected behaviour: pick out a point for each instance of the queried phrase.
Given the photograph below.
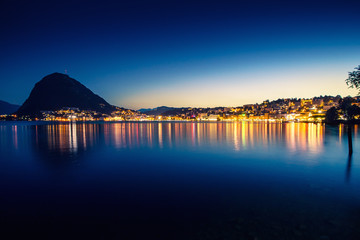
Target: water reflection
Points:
(243, 136)
(66, 138)
(74, 139)
(348, 168)
(305, 137)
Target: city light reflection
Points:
(244, 135)
(238, 136)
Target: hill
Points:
(58, 90)
(156, 111)
(7, 108)
(144, 110)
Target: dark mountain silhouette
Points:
(56, 91)
(8, 108)
(143, 110)
(156, 111)
(175, 111)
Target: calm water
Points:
(178, 181)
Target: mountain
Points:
(8, 108)
(175, 111)
(143, 110)
(156, 111)
(58, 90)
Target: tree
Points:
(331, 115)
(353, 80)
(352, 111)
(349, 110)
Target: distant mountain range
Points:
(155, 111)
(164, 111)
(8, 108)
(58, 90)
(143, 110)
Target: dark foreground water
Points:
(178, 181)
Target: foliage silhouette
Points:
(353, 80)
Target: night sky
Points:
(181, 53)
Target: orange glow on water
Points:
(240, 136)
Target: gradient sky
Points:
(141, 54)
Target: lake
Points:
(178, 180)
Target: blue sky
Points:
(177, 53)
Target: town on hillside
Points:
(281, 110)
